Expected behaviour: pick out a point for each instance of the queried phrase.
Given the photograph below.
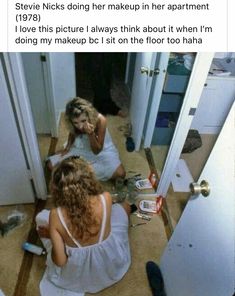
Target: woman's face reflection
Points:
(79, 122)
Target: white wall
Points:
(223, 55)
(62, 67)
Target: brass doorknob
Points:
(144, 70)
(197, 189)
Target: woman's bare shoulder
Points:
(102, 121)
(107, 197)
(54, 217)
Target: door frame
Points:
(16, 78)
(127, 73)
(50, 96)
(156, 98)
(149, 80)
(192, 96)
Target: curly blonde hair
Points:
(75, 108)
(72, 185)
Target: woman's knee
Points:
(42, 218)
(126, 207)
(49, 165)
(119, 173)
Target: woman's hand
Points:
(88, 128)
(97, 138)
(43, 231)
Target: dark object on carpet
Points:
(155, 279)
(130, 145)
(9, 225)
(193, 141)
(133, 208)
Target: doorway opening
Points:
(100, 78)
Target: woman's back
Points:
(101, 210)
(88, 249)
(95, 265)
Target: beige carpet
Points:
(159, 153)
(197, 159)
(44, 142)
(11, 252)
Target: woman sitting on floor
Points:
(87, 242)
(90, 138)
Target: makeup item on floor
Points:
(130, 145)
(137, 224)
(33, 249)
(149, 206)
(133, 208)
(131, 196)
(143, 184)
(119, 184)
(118, 197)
(131, 191)
(133, 179)
(130, 184)
(143, 216)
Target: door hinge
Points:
(43, 58)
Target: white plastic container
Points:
(33, 249)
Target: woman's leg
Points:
(119, 173)
(49, 165)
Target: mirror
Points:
(64, 65)
(215, 100)
(177, 75)
(54, 78)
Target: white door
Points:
(35, 80)
(140, 94)
(15, 181)
(199, 258)
(192, 96)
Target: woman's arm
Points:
(96, 136)
(70, 142)
(58, 253)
